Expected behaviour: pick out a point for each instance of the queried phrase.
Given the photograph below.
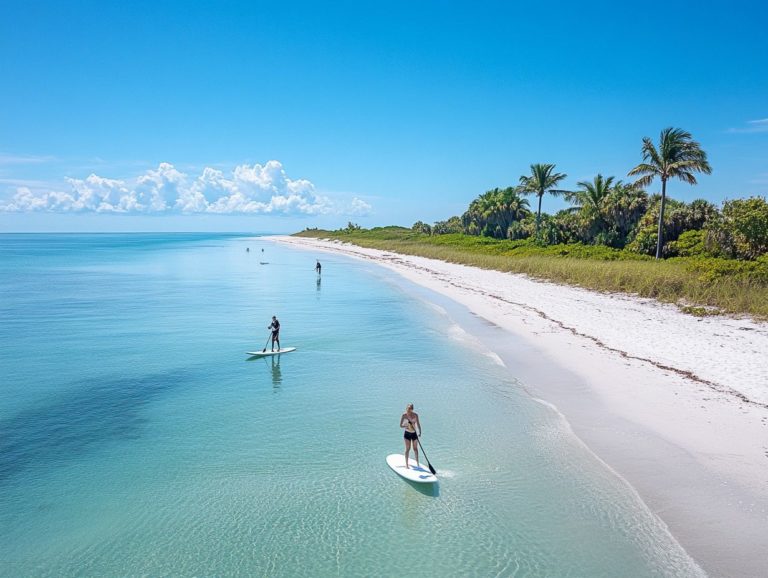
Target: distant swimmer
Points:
(318, 267)
(247, 249)
(274, 327)
(409, 421)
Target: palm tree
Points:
(510, 207)
(590, 197)
(678, 156)
(588, 202)
(623, 208)
(541, 181)
(494, 211)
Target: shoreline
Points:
(675, 405)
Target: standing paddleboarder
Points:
(409, 421)
(318, 267)
(275, 328)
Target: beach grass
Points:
(699, 286)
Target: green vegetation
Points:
(712, 284)
(708, 261)
(540, 182)
(678, 156)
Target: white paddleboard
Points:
(268, 353)
(414, 473)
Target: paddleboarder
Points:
(275, 328)
(318, 267)
(409, 421)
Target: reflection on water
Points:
(319, 279)
(277, 375)
(273, 364)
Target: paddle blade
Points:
(431, 469)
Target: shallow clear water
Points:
(136, 437)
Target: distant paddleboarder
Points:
(409, 421)
(318, 267)
(274, 327)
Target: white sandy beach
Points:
(677, 405)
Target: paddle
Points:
(431, 469)
(267, 343)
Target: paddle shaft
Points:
(267, 343)
(431, 469)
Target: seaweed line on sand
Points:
(724, 389)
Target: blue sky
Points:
(250, 116)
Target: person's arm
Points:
(403, 421)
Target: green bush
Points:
(689, 244)
(452, 225)
(678, 219)
(726, 285)
(712, 269)
(741, 231)
(420, 227)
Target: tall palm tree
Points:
(678, 156)
(541, 180)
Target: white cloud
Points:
(161, 188)
(759, 125)
(359, 208)
(25, 201)
(98, 194)
(257, 189)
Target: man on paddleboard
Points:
(318, 267)
(409, 421)
(275, 328)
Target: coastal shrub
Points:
(741, 231)
(420, 227)
(522, 229)
(710, 269)
(679, 217)
(352, 227)
(688, 244)
(622, 210)
(452, 225)
(729, 285)
(492, 213)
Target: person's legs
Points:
(407, 450)
(416, 451)
(274, 337)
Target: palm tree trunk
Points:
(660, 240)
(538, 216)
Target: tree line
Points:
(609, 211)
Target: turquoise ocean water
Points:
(137, 439)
